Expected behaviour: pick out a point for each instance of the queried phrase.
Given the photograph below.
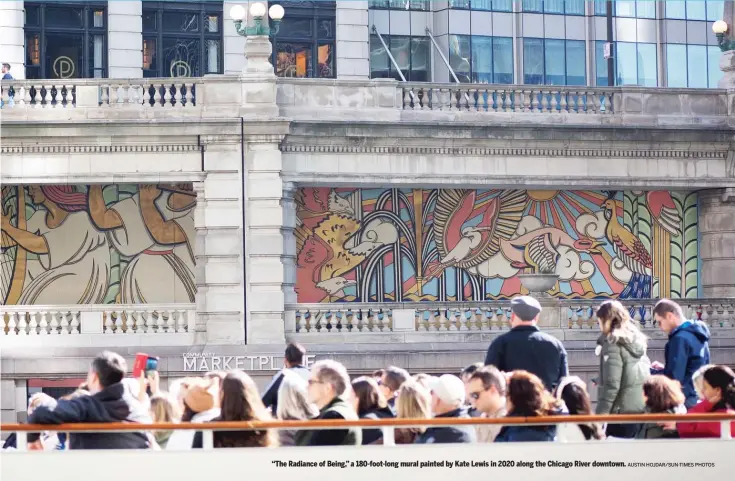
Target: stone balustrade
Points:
(220, 96)
(103, 325)
(482, 316)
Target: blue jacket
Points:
(686, 351)
(449, 434)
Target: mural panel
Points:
(129, 244)
(378, 245)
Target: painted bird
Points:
(664, 212)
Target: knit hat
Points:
(448, 388)
(202, 396)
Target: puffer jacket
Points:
(686, 351)
(624, 367)
(656, 431)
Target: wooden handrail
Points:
(369, 423)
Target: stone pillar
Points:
(125, 39)
(289, 242)
(717, 242)
(234, 44)
(353, 40)
(12, 39)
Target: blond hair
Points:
(698, 379)
(617, 324)
(164, 409)
(414, 402)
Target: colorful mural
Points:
(120, 243)
(378, 245)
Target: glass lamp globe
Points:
(237, 12)
(276, 12)
(257, 10)
(719, 27)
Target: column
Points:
(219, 266)
(234, 47)
(267, 284)
(125, 39)
(353, 40)
(717, 242)
(289, 251)
(12, 40)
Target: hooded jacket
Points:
(449, 434)
(624, 368)
(375, 436)
(657, 431)
(113, 404)
(686, 351)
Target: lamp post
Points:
(257, 12)
(720, 28)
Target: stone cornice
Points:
(97, 149)
(500, 151)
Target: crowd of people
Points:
(525, 374)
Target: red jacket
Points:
(700, 429)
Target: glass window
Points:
(624, 8)
(305, 43)
(460, 55)
(601, 7)
(627, 63)
(715, 10)
(576, 63)
(182, 39)
(645, 9)
(421, 5)
(676, 73)
(503, 60)
(554, 62)
(412, 54)
(533, 6)
(600, 64)
(65, 41)
(696, 10)
(714, 73)
(503, 5)
(711, 10)
(482, 60)
(647, 65)
(570, 7)
(697, 66)
(553, 6)
(676, 9)
(533, 61)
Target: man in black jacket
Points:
(294, 361)
(447, 401)
(526, 348)
(109, 402)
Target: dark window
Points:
(305, 43)
(479, 59)
(553, 62)
(412, 54)
(420, 5)
(182, 39)
(65, 40)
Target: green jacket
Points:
(624, 368)
(656, 431)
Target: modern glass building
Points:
(554, 42)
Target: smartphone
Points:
(151, 365)
(144, 364)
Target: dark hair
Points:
(723, 378)
(295, 353)
(241, 402)
(528, 395)
(662, 394)
(490, 376)
(394, 377)
(109, 367)
(369, 397)
(666, 306)
(378, 373)
(577, 400)
(6, 65)
(470, 370)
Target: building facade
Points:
(209, 219)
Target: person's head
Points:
(378, 374)
(200, 395)
(662, 394)
(698, 380)
(106, 369)
(413, 402)
(64, 197)
(527, 396)
(240, 400)
(668, 315)
(164, 409)
(6, 67)
(327, 381)
(368, 396)
(719, 386)
(294, 354)
(525, 310)
(218, 376)
(612, 315)
(486, 390)
(447, 394)
(423, 379)
(467, 372)
(573, 392)
(293, 402)
(392, 379)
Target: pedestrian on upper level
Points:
(718, 389)
(526, 348)
(7, 76)
(447, 401)
(390, 382)
(329, 388)
(6, 72)
(293, 361)
(624, 367)
(687, 349)
(110, 402)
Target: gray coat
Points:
(624, 368)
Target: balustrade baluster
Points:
(12, 324)
(563, 105)
(33, 324)
(75, 326)
(705, 317)
(23, 324)
(301, 321)
(726, 316)
(177, 96)
(64, 322)
(42, 324)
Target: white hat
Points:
(448, 388)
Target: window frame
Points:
(391, 68)
(493, 73)
(542, 10)
(313, 11)
(617, 60)
(469, 5)
(393, 5)
(204, 8)
(709, 50)
(86, 31)
(603, 11)
(544, 61)
(708, 4)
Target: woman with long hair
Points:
(661, 396)
(163, 410)
(624, 367)
(370, 403)
(413, 402)
(240, 401)
(527, 397)
(573, 392)
(718, 391)
(293, 405)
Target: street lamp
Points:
(720, 28)
(257, 11)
